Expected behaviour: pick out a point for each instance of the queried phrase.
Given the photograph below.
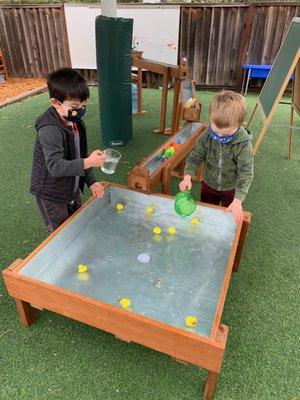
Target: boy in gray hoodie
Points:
(61, 164)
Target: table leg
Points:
(210, 385)
(248, 79)
(243, 83)
(27, 313)
(166, 179)
(240, 246)
(181, 167)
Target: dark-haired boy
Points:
(61, 165)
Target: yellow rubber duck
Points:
(119, 207)
(172, 230)
(191, 321)
(150, 210)
(195, 221)
(125, 302)
(157, 230)
(82, 268)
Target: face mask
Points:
(74, 114)
(221, 139)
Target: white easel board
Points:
(155, 32)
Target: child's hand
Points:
(97, 189)
(95, 159)
(237, 209)
(186, 183)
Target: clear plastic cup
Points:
(111, 162)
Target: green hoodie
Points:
(227, 166)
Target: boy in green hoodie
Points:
(225, 149)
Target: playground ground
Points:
(57, 358)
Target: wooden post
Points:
(177, 106)
(164, 103)
(291, 132)
(210, 385)
(181, 167)
(27, 313)
(241, 243)
(166, 179)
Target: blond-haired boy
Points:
(225, 149)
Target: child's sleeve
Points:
(89, 177)
(196, 157)
(244, 171)
(51, 141)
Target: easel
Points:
(179, 74)
(290, 49)
(295, 106)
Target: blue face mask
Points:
(221, 139)
(74, 114)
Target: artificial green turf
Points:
(57, 358)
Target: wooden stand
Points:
(146, 180)
(179, 74)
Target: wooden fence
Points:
(216, 39)
(33, 39)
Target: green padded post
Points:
(113, 46)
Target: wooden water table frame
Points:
(180, 74)
(31, 295)
(141, 178)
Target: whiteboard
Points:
(155, 32)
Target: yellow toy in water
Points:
(120, 207)
(195, 221)
(157, 230)
(125, 302)
(82, 268)
(150, 210)
(191, 321)
(172, 230)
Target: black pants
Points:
(54, 213)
